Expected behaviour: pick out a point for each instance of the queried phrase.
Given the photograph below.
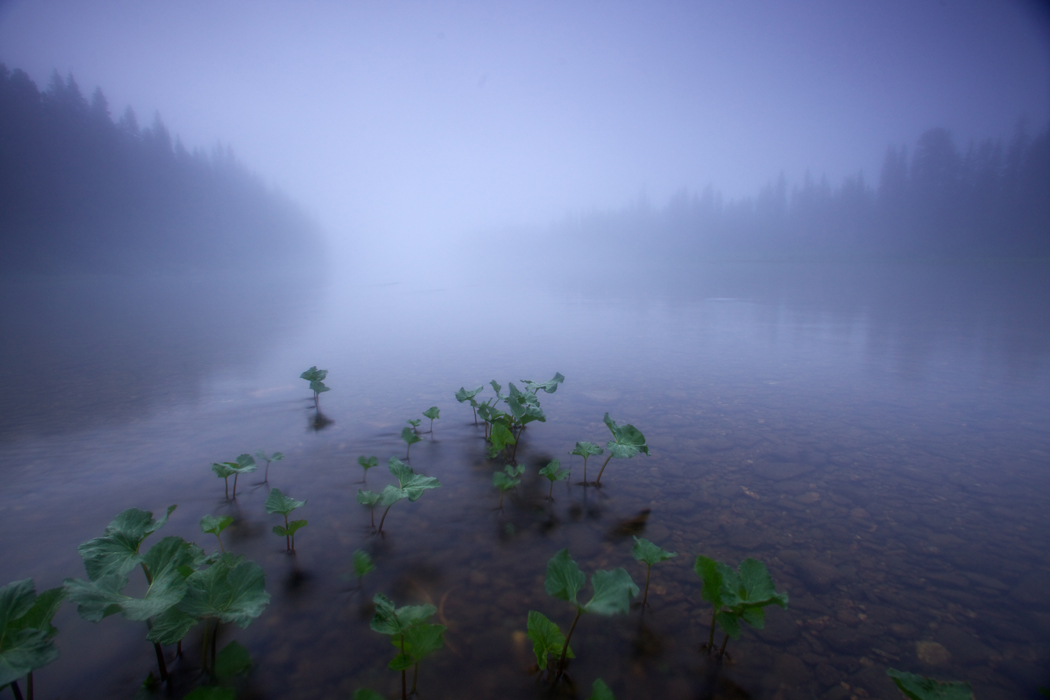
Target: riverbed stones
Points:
(780, 471)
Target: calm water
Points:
(879, 435)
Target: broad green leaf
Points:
(40, 615)
(613, 591)
(391, 495)
(211, 692)
(921, 688)
(231, 590)
(275, 457)
(215, 525)
(433, 413)
(117, 551)
(600, 691)
(554, 472)
(314, 375)
(409, 436)
(586, 449)
(25, 644)
(401, 471)
(368, 498)
(564, 578)
(464, 395)
(646, 551)
(165, 561)
(367, 694)
(295, 526)
(729, 621)
(363, 563)
(420, 641)
(412, 485)
(497, 388)
(550, 386)
(627, 440)
(501, 436)
(488, 413)
(756, 585)
(504, 482)
(318, 387)
(277, 502)
(711, 575)
(246, 464)
(391, 620)
(171, 626)
(414, 422)
(753, 615)
(368, 462)
(224, 469)
(231, 660)
(546, 638)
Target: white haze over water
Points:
(402, 126)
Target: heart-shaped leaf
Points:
(646, 551)
(564, 578)
(546, 637)
(613, 591)
(277, 502)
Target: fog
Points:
(404, 128)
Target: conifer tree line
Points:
(989, 199)
(80, 191)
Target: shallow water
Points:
(877, 434)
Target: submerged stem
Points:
(235, 485)
(287, 546)
(404, 684)
(722, 651)
(29, 685)
(383, 519)
(645, 596)
(711, 637)
(160, 661)
(598, 481)
(16, 690)
(565, 648)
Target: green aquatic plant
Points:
(277, 502)
(109, 560)
(410, 632)
(366, 464)
(231, 661)
(369, 499)
(363, 564)
(585, 450)
(554, 472)
(409, 485)
(463, 395)
(626, 443)
(501, 435)
(549, 386)
(224, 470)
(245, 464)
(506, 480)
(736, 596)
(546, 638)
(613, 591)
(919, 687)
(600, 691)
(646, 551)
(433, 413)
(316, 378)
(415, 423)
(262, 456)
(410, 438)
(215, 525)
(26, 632)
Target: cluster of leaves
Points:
(409, 631)
(647, 552)
(507, 479)
(184, 585)
(554, 472)
(503, 428)
(26, 631)
(736, 596)
(277, 502)
(613, 591)
(409, 485)
(316, 378)
(245, 464)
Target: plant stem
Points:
(585, 470)
(227, 479)
(645, 596)
(475, 416)
(287, 546)
(221, 548)
(235, 484)
(551, 494)
(383, 519)
(29, 685)
(415, 677)
(711, 637)
(266, 474)
(160, 662)
(565, 649)
(16, 690)
(598, 481)
(404, 684)
(501, 492)
(722, 651)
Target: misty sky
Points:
(394, 118)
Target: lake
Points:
(877, 434)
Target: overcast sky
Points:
(440, 117)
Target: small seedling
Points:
(214, 525)
(585, 450)
(410, 632)
(277, 502)
(506, 480)
(366, 464)
(363, 564)
(613, 591)
(316, 378)
(626, 443)
(919, 687)
(554, 472)
(410, 486)
(736, 596)
(26, 632)
(410, 438)
(546, 638)
(464, 395)
(600, 691)
(275, 457)
(549, 386)
(432, 413)
(414, 422)
(369, 499)
(224, 470)
(647, 552)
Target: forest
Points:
(80, 192)
(991, 199)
